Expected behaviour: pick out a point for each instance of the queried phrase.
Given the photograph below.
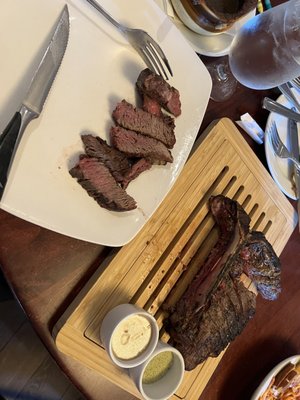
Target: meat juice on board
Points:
(266, 50)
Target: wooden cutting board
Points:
(154, 269)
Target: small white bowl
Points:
(167, 385)
(190, 23)
(119, 344)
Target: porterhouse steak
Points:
(216, 306)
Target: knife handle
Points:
(7, 144)
(9, 141)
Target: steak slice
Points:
(137, 145)
(136, 119)
(151, 106)
(137, 168)
(216, 306)
(99, 183)
(155, 87)
(116, 161)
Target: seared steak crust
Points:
(96, 179)
(136, 119)
(216, 306)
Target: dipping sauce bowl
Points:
(129, 335)
(160, 375)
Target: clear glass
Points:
(266, 51)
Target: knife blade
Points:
(34, 100)
(294, 148)
(274, 106)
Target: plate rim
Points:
(282, 100)
(266, 381)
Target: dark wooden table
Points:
(46, 270)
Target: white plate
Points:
(212, 46)
(265, 383)
(280, 169)
(98, 70)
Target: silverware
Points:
(287, 92)
(142, 42)
(294, 146)
(296, 83)
(273, 106)
(34, 101)
(279, 148)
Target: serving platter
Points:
(98, 70)
(153, 270)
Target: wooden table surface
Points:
(46, 270)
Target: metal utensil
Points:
(34, 101)
(292, 133)
(287, 92)
(274, 106)
(279, 148)
(142, 42)
(296, 83)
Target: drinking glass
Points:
(265, 52)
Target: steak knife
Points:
(33, 103)
(294, 146)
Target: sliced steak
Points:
(137, 145)
(155, 87)
(151, 106)
(116, 161)
(99, 183)
(216, 306)
(137, 168)
(136, 119)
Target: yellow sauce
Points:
(158, 367)
(131, 337)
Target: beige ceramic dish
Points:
(109, 327)
(202, 18)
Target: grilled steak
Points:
(96, 179)
(116, 161)
(151, 106)
(136, 145)
(137, 168)
(136, 119)
(216, 306)
(155, 87)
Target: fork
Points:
(142, 42)
(296, 83)
(279, 148)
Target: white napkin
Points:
(251, 127)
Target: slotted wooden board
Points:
(154, 269)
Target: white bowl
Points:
(167, 385)
(190, 23)
(266, 382)
(129, 335)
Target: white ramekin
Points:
(109, 324)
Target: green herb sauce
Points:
(158, 367)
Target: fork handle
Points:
(106, 14)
